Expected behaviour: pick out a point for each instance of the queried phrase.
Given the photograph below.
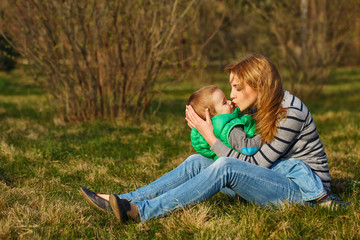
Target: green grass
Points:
(43, 162)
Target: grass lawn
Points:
(44, 162)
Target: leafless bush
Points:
(97, 58)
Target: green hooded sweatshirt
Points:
(223, 124)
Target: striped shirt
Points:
(296, 137)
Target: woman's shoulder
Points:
(294, 106)
(292, 102)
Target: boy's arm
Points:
(247, 146)
(238, 139)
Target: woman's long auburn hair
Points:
(261, 75)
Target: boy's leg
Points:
(311, 186)
(192, 166)
(251, 182)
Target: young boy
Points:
(224, 118)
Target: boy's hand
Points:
(205, 128)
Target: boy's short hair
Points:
(202, 99)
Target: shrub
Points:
(97, 58)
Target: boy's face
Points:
(221, 104)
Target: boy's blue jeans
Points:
(198, 178)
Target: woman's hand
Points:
(205, 128)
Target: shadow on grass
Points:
(20, 111)
(341, 94)
(5, 177)
(11, 87)
(174, 107)
(343, 76)
(345, 186)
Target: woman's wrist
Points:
(211, 140)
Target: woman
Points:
(289, 138)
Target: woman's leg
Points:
(229, 192)
(251, 182)
(192, 166)
(310, 185)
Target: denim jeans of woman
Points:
(199, 178)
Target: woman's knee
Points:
(198, 160)
(225, 161)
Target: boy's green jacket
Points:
(223, 124)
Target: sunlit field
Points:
(44, 162)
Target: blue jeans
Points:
(310, 185)
(198, 178)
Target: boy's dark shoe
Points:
(95, 200)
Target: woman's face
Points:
(242, 96)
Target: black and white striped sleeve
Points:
(288, 131)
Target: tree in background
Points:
(97, 58)
(306, 39)
(310, 37)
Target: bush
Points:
(97, 58)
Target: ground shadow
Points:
(341, 93)
(11, 87)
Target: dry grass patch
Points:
(191, 219)
(28, 213)
(7, 150)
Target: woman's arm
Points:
(287, 135)
(237, 137)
